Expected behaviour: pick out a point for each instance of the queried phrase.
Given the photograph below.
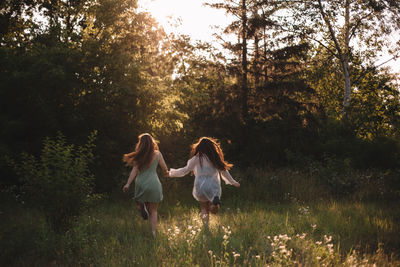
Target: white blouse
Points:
(207, 183)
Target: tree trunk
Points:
(347, 88)
(265, 58)
(244, 62)
(256, 60)
(343, 53)
(345, 61)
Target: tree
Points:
(241, 10)
(347, 28)
(83, 66)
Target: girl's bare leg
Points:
(152, 208)
(205, 212)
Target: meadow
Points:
(272, 220)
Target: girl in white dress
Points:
(208, 165)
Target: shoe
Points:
(216, 201)
(143, 211)
(215, 204)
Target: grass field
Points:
(250, 230)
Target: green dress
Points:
(147, 185)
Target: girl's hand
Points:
(236, 185)
(166, 173)
(126, 187)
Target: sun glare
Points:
(191, 17)
(188, 17)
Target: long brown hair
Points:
(207, 146)
(143, 153)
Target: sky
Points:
(196, 20)
(192, 18)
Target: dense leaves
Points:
(59, 182)
(275, 90)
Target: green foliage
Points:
(83, 65)
(105, 65)
(375, 111)
(60, 182)
(344, 178)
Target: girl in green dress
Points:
(148, 190)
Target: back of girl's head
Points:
(146, 143)
(207, 146)
(143, 153)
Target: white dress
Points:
(207, 182)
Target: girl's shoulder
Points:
(198, 160)
(195, 157)
(157, 154)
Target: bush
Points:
(60, 182)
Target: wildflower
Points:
(225, 237)
(236, 255)
(327, 239)
(210, 252)
(257, 256)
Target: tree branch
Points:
(353, 30)
(328, 23)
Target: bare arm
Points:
(226, 176)
(132, 176)
(163, 165)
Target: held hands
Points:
(166, 173)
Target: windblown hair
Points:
(207, 146)
(143, 153)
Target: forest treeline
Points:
(299, 83)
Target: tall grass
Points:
(260, 224)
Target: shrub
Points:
(59, 182)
